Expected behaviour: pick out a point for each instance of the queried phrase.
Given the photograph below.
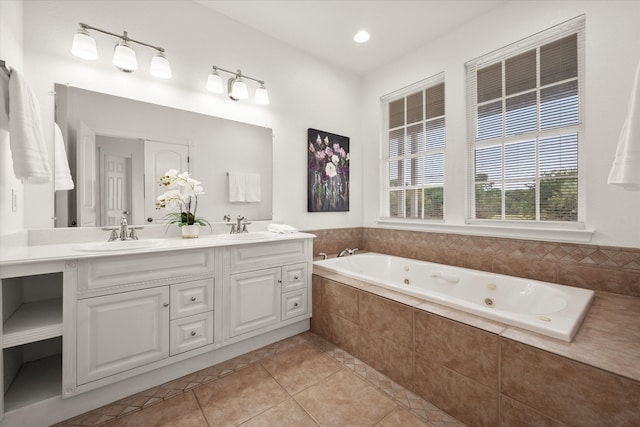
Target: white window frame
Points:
(565, 29)
(384, 149)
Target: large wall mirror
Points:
(118, 147)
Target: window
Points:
(525, 129)
(413, 155)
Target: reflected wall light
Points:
(236, 86)
(124, 57)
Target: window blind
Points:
(413, 151)
(524, 128)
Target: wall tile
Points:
(599, 279)
(393, 360)
(467, 350)
(515, 414)
(342, 332)
(565, 390)
(467, 400)
(386, 319)
(527, 267)
(340, 300)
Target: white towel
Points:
(626, 166)
(252, 187)
(4, 101)
(236, 187)
(281, 228)
(63, 180)
(28, 150)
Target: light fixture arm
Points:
(124, 36)
(237, 73)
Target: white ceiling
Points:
(325, 28)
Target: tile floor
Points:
(300, 381)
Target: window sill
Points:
(575, 234)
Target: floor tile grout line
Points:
(195, 396)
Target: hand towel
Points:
(281, 228)
(236, 187)
(63, 180)
(626, 166)
(28, 150)
(4, 101)
(252, 187)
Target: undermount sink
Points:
(118, 245)
(256, 235)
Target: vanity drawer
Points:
(268, 254)
(191, 298)
(294, 277)
(294, 304)
(191, 332)
(158, 267)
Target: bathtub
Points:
(546, 308)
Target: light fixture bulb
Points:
(124, 57)
(160, 66)
(262, 95)
(239, 89)
(214, 82)
(84, 46)
(361, 36)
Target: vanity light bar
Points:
(236, 87)
(124, 57)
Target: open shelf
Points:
(33, 321)
(36, 381)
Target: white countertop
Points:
(13, 254)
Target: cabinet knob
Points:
(149, 219)
(295, 304)
(295, 277)
(279, 281)
(193, 298)
(166, 304)
(193, 333)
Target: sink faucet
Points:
(127, 232)
(347, 251)
(241, 226)
(124, 228)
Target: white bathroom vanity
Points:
(86, 325)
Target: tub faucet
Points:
(347, 251)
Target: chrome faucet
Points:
(124, 228)
(126, 232)
(347, 251)
(240, 225)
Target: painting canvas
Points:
(328, 177)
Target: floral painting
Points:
(328, 178)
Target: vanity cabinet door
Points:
(121, 331)
(254, 300)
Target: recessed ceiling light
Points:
(361, 37)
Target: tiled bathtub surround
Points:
(486, 373)
(599, 268)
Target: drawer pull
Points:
(295, 277)
(166, 304)
(295, 304)
(193, 333)
(193, 298)
(279, 281)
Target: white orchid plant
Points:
(183, 195)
